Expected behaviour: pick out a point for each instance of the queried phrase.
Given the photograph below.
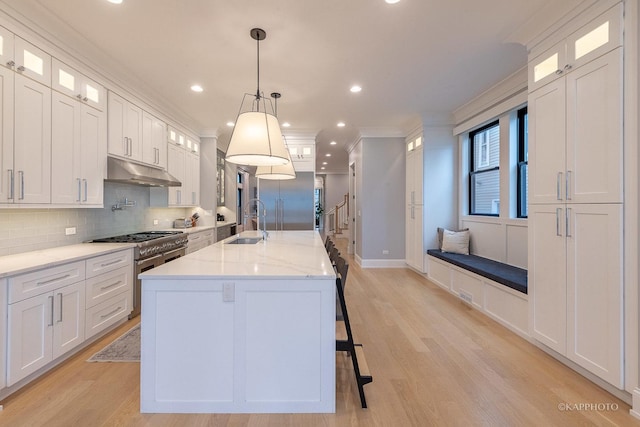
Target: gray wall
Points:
(335, 188)
(380, 194)
(24, 230)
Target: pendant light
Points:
(279, 172)
(256, 139)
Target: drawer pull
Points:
(50, 297)
(111, 313)
(111, 285)
(55, 279)
(61, 309)
(107, 264)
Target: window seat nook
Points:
(496, 289)
(508, 275)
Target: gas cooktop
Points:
(136, 237)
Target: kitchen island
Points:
(241, 328)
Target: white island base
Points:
(214, 341)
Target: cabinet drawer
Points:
(107, 313)
(105, 286)
(31, 284)
(109, 262)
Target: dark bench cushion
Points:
(508, 275)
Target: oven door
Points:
(142, 266)
(174, 254)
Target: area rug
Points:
(126, 348)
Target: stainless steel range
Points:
(153, 248)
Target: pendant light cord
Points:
(258, 62)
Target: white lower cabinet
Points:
(51, 311)
(43, 327)
(199, 240)
(576, 286)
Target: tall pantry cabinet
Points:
(576, 195)
(414, 240)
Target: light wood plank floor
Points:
(435, 362)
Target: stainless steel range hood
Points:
(123, 171)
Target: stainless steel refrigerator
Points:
(289, 203)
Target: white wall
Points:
(335, 188)
(23, 230)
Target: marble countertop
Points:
(224, 223)
(285, 255)
(29, 261)
(195, 229)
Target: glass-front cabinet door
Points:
(220, 179)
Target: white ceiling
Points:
(413, 58)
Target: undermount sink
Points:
(245, 241)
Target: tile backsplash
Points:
(23, 230)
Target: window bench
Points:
(498, 290)
(508, 275)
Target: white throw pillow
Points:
(456, 242)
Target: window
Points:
(523, 163)
(484, 178)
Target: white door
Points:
(595, 289)
(547, 147)
(547, 275)
(29, 336)
(93, 155)
(594, 131)
(32, 146)
(69, 316)
(66, 181)
(7, 172)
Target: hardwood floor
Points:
(434, 361)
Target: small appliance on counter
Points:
(219, 217)
(182, 223)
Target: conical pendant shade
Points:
(279, 172)
(257, 141)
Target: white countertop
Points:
(29, 261)
(285, 254)
(195, 229)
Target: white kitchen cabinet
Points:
(199, 240)
(576, 264)
(176, 166)
(73, 83)
(414, 225)
(154, 141)
(79, 152)
(590, 41)
(176, 137)
(303, 155)
(44, 327)
(32, 142)
(7, 174)
(3, 334)
(576, 125)
(31, 62)
(192, 191)
(6, 48)
(125, 128)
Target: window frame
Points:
(523, 161)
(473, 173)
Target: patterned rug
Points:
(126, 348)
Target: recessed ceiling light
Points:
(355, 89)
(333, 143)
(325, 163)
(197, 88)
(286, 124)
(392, 1)
(115, 1)
(323, 168)
(341, 124)
(328, 155)
(230, 124)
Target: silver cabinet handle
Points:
(11, 64)
(10, 184)
(60, 317)
(107, 264)
(51, 299)
(568, 185)
(558, 72)
(558, 185)
(125, 145)
(79, 96)
(79, 190)
(55, 279)
(558, 233)
(84, 180)
(21, 174)
(179, 197)
(85, 99)
(21, 68)
(111, 285)
(567, 231)
(567, 67)
(111, 313)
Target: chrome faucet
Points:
(248, 215)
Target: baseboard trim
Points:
(382, 263)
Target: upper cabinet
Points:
(24, 58)
(76, 85)
(154, 141)
(125, 128)
(596, 38)
(303, 155)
